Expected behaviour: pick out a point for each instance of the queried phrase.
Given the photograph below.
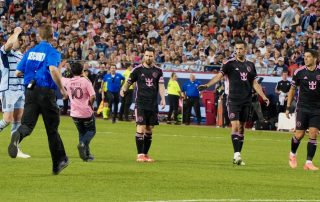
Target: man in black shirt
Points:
(282, 90)
(240, 77)
(307, 79)
(149, 81)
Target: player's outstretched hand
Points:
(122, 93)
(17, 30)
(202, 87)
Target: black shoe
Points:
(82, 151)
(114, 120)
(90, 158)
(13, 146)
(62, 165)
(120, 118)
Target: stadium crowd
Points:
(194, 36)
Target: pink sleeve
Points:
(90, 89)
(64, 81)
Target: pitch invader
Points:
(12, 87)
(307, 80)
(240, 78)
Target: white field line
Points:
(232, 200)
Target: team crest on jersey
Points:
(232, 115)
(249, 68)
(155, 74)
(318, 77)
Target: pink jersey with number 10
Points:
(79, 90)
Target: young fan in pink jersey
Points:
(82, 95)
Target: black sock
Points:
(139, 142)
(236, 142)
(147, 142)
(241, 140)
(294, 144)
(312, 147)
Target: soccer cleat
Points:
(310, 166)
(238, 161)
(13, 146)
(293, 161)
(90, 158)
(148, 159)
(62, 165)
(141, 158)
(22, 155)
(82, 151)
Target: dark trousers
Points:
(65, 106)
(43, 100)
(195, 103)
(113, 99)
(126, 102)
(173, 106)
(86, 129)
(98, 98)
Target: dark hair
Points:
(76, 68)
(313, 52)
(240, 42)
(150, 49)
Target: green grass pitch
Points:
(192, 163)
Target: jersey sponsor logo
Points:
(155, 74)
(36, 56)
(243, 76)
(149, 82)
(312, 85)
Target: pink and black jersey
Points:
(79, 90)
(239, 77)
(308, 83)
(147, 86)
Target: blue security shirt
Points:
(191, 88)
(35, 65)
(114, 82)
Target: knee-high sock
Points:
(3, 124)
(295, 142)
(139, 142)
(312, 147)
(241, 139)
(147, 142)
(15, 126)
(235, 137)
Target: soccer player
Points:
(149, 81)
(114, 81)
(82, 95)
(11, 87)
(307, 79)
(240, 77)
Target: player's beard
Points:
(149, 62)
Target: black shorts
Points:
(305, 120)
(238, 112)
(146, 117)
(108, 97)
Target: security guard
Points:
(191, 94)
(42, 77)
(174, 92)
(114, 81)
